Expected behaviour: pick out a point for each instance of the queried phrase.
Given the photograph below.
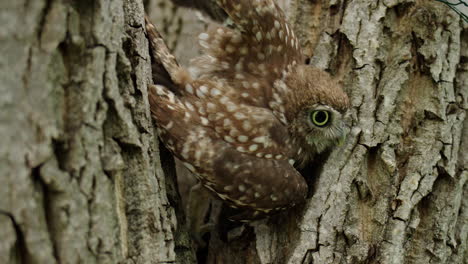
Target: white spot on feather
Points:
(189, 106)
(253, 147)
(230, 48)
(229, 139)
(204, 121)
(203, 89)
(189, 88)
(242, 138)
(259, 36)
(215, 92)
(246, 125)
(241, 188)
(204, 36)
(241, 149)
(273, 197)
(169, 125)
(277, 24)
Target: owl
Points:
(249, 111)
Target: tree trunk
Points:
(81, 176)
(79, 166)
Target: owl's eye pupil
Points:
(320, 118)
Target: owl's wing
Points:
(260, 43)
(164, 64)
(247, 129)
(230, 168)
(260, 185)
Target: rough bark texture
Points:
(79, 168)
(396, 192)
(80, 175)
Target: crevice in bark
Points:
(312, 171)
(341, 65)
(43, 18)
(22, 255)
(183, 243)
(27, 72)
(47, 200)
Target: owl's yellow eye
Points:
(320, 118)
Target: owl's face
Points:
(318, 109)
(321, 127)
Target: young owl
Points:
(249, 110)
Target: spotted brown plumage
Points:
(248, 110)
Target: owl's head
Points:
(316, 108)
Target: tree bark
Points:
(397, 192)
(81, 176)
